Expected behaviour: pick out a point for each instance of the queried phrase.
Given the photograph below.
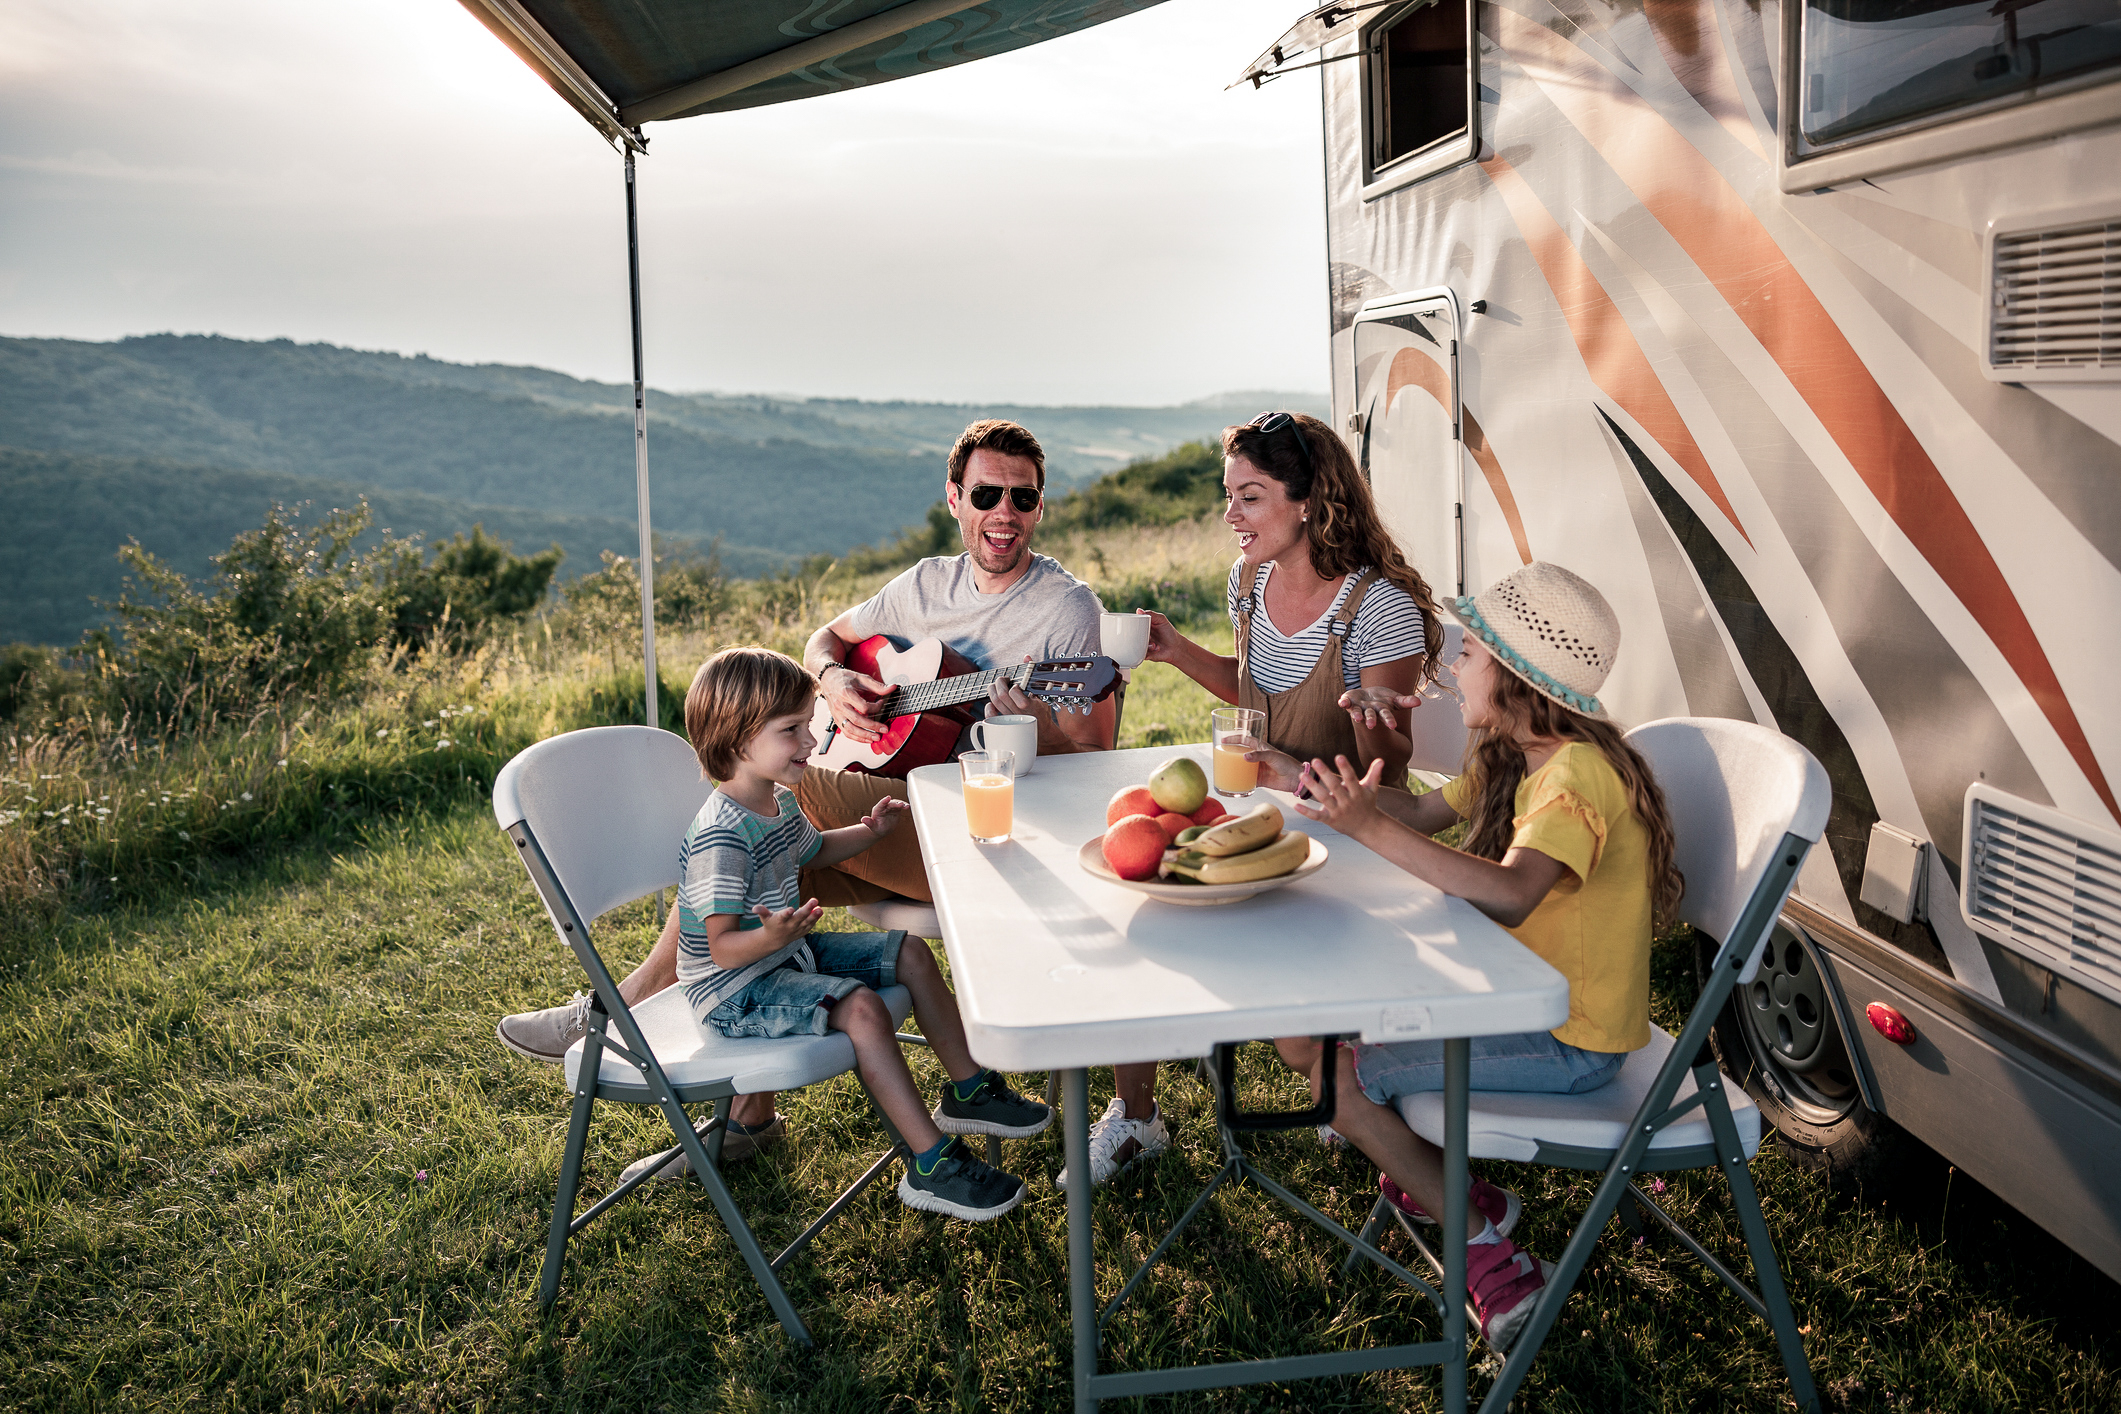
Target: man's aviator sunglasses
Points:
(986, 498)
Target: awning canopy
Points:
(622, 63)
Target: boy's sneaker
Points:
(1504, 1285)
(1116, 1141)
(546, 1035)
(738, 1145)
(993, 1109)
(960, 1186)
(1498, 1205)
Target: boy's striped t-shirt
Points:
(732, 860)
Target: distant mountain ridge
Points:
(437, 445)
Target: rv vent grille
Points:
(2045, 889)
(2056, 301)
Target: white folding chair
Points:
(597, 817)
(1746, 803)
(1435, 729)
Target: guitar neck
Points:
(912, 698)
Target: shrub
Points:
(474, 583)
(288, 611)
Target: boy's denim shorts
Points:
(1533, 1060)
(791, 1002)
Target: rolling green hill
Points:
(182, 440)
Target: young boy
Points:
(750, 965)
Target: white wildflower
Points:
(246, 795)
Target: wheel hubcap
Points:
(1790, 1030)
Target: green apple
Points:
(1190, 834)
(1179, 785)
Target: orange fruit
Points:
(1135, 845)
(1134, 800)
(1173, 823)
(1209, 812)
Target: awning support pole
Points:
(640, 451)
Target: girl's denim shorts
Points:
(1533, 1060)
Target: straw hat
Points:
(1550, 628)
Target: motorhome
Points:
(1797, 329)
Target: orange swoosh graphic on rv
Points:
(1694, 202)
(1484, 457)
(1411, 368)
(1616, 362)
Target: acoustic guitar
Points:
(927, 707)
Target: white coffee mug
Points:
(1009, 733)
(1124, 637)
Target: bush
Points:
(289, 611)
(473, 584)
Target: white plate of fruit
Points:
(1202, 855)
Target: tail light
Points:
(1889, 1023)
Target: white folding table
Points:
(1058, 970)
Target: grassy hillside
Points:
(69, 513)
(210, 429)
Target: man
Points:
(996, 604)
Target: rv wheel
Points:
(1778, 1038)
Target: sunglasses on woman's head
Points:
(986, 498)
(1271, 422)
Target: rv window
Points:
(1875, 65)
(1418, 69)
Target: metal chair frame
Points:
(608, 1012)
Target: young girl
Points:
(1569, 848)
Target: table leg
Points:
(1082, 1274)
(1457, 1067)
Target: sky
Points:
(1094, 219)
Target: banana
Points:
(1289, 851)
(1252, 830)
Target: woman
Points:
(1321, 600)
(1323, 603)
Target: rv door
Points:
(1406, 427)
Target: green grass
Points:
(260, 1150)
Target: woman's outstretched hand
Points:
(1374, 706)
(1341, 798)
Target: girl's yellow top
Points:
(1593, 927)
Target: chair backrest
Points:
(1735, 790)
(1435, 728)
(609, 807)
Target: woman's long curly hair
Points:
(1520, 712)
(1344, 531)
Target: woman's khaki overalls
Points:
(1307, 720)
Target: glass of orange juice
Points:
(990, 793)
(1237, 731)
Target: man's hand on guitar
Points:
(885, 817)
(850, 695)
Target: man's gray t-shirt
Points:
(1048, 613)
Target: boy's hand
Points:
(1341, 798)
(789, 924)
(1369, 706)
(885, 817)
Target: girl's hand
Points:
(1278, 770)
(885, 817)
(1163, 639)
(789, 924)
(1372, 706)
(1341, 798)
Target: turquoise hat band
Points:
(1568, 696)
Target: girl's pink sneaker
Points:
(1498, 1205)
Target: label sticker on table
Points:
(1398, 1023)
